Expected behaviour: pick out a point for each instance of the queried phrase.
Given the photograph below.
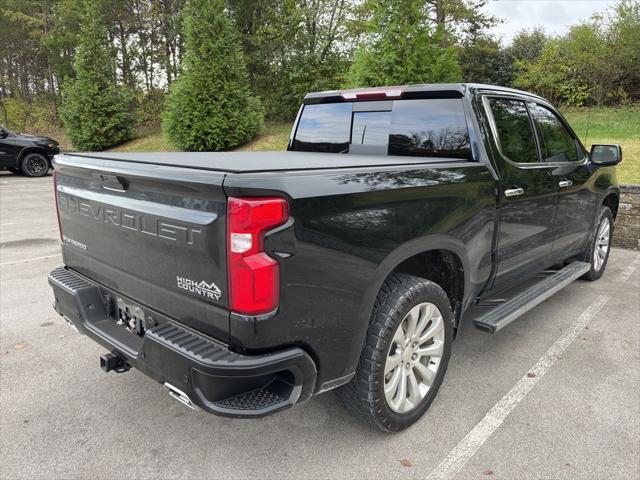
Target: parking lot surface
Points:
(554, 395)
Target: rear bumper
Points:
(213, 377)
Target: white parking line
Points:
(26, 260)
(469, 445)
(627, 272)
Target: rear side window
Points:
(556, 143)
(515, 133)
(421, 127)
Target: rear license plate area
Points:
(131, 316)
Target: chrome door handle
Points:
(513, 192)
(565, 183)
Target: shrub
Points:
(29, 117)
(96, 111)
(210, 106)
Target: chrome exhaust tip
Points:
(179, 395)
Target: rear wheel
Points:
(599, 247)
(405, 356)
(35, 165)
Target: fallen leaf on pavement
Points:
(487, 471)
(405, 462)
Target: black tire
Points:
(364, 395)
(597, 269)
(34, 165)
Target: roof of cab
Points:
(426, 90)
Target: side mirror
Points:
(3, 134)
(605, 154)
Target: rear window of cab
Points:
(419, 127)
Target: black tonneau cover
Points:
(246, 162)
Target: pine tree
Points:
(403, 48)
(96, 110)
(210, 106)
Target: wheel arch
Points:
(612, 200)
(27, 150)
(439, 258)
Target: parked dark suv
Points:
(28, 154)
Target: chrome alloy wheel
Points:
(602, 244)
(414, 357)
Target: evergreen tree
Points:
(404, 47)
(210, 106)
(96, 111)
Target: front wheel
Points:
(35, 165)
(599, 247)
(405, 356)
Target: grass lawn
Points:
(612, 125)
(606, 125)
(273, 137)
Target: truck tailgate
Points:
(155, 232)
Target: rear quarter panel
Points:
(348, 231)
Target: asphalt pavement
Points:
(554, 395)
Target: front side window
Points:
(556, 143)
(513, 127)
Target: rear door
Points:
(576, 210)
(527, 191)
(153, 233)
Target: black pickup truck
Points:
(248, 282)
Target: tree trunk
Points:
(126, 61)
(52, 88)
(441, 22)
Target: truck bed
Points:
(253, 162)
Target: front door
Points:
(527, 189)
(576, 199)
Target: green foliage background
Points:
(210, 106)
(96, 111)
(272, 52)
(404, 49)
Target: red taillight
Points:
(254, 277)
(55, 200)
